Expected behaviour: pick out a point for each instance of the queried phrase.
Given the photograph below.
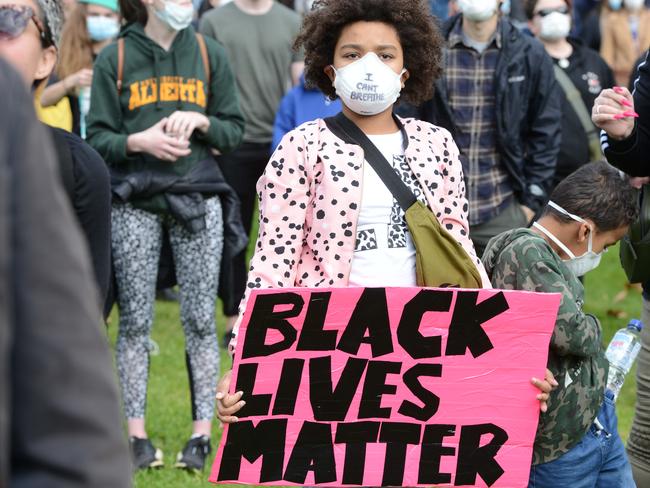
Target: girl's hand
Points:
(182, 124)
(228, 405)
(156, 142)
(546, 386)
(613, 112)
(81, 79)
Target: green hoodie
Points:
(157, 83)
(521, 259)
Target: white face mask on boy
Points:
(580, 265)
(367, 86)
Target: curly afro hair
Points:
(417, 30)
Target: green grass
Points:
(169, 415)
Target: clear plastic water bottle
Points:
(84, 108)
(621, 353)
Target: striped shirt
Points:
(470, 80)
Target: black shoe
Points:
(227, 337)
(144, 455)
(167, 295)
(193, 455)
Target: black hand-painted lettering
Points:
(430, 401)
(313, 337)
(263, 318)
(397, 436)
(356, 436)
(290, 378)
(408, 332)
(328, 403)
(267, 440)
(474, 459)
(465, 331)
(313, 451)
(374, 387)
(370, 314)
(255, 404)
(432, 450)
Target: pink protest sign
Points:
(387, 387)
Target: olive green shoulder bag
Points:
(440, 259)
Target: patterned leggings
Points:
(136, 242)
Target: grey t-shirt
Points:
(260, 52)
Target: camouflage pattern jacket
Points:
(522, 260)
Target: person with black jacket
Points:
(499, 99)
(60, 421)
(581, 73)
(625, 120)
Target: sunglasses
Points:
(14, 20)
(547, 11)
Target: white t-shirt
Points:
(384, 254)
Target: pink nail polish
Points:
(625, 103)
(630, 113)
(619, 116)
(618, 89)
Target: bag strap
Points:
(577, 103)
(348, 131)
(204, 55)
(120, 65)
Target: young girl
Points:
(159, 107)
(326, 218)
(91, 26)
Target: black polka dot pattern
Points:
(310, 195)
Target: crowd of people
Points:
(521, 126)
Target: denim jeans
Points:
(598, 460)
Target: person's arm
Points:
(53, 93)
(454, 218)
(626, 142)
(66, 427)
(226, 129)
(542, 139)
(104, 121)
(576, 333)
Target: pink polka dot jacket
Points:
(310, 196)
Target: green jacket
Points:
(522, 260)
(155, 84)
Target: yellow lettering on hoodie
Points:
(200, 93)
(172, 89)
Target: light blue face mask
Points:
(101, 28)
(615, 4)
(505, 7)
(176, 16)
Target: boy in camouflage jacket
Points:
(577, 443)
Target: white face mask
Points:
(478, 10)
(178, 17)
(633, 4)
(555, 26)
(580, 265)
(368, 86)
